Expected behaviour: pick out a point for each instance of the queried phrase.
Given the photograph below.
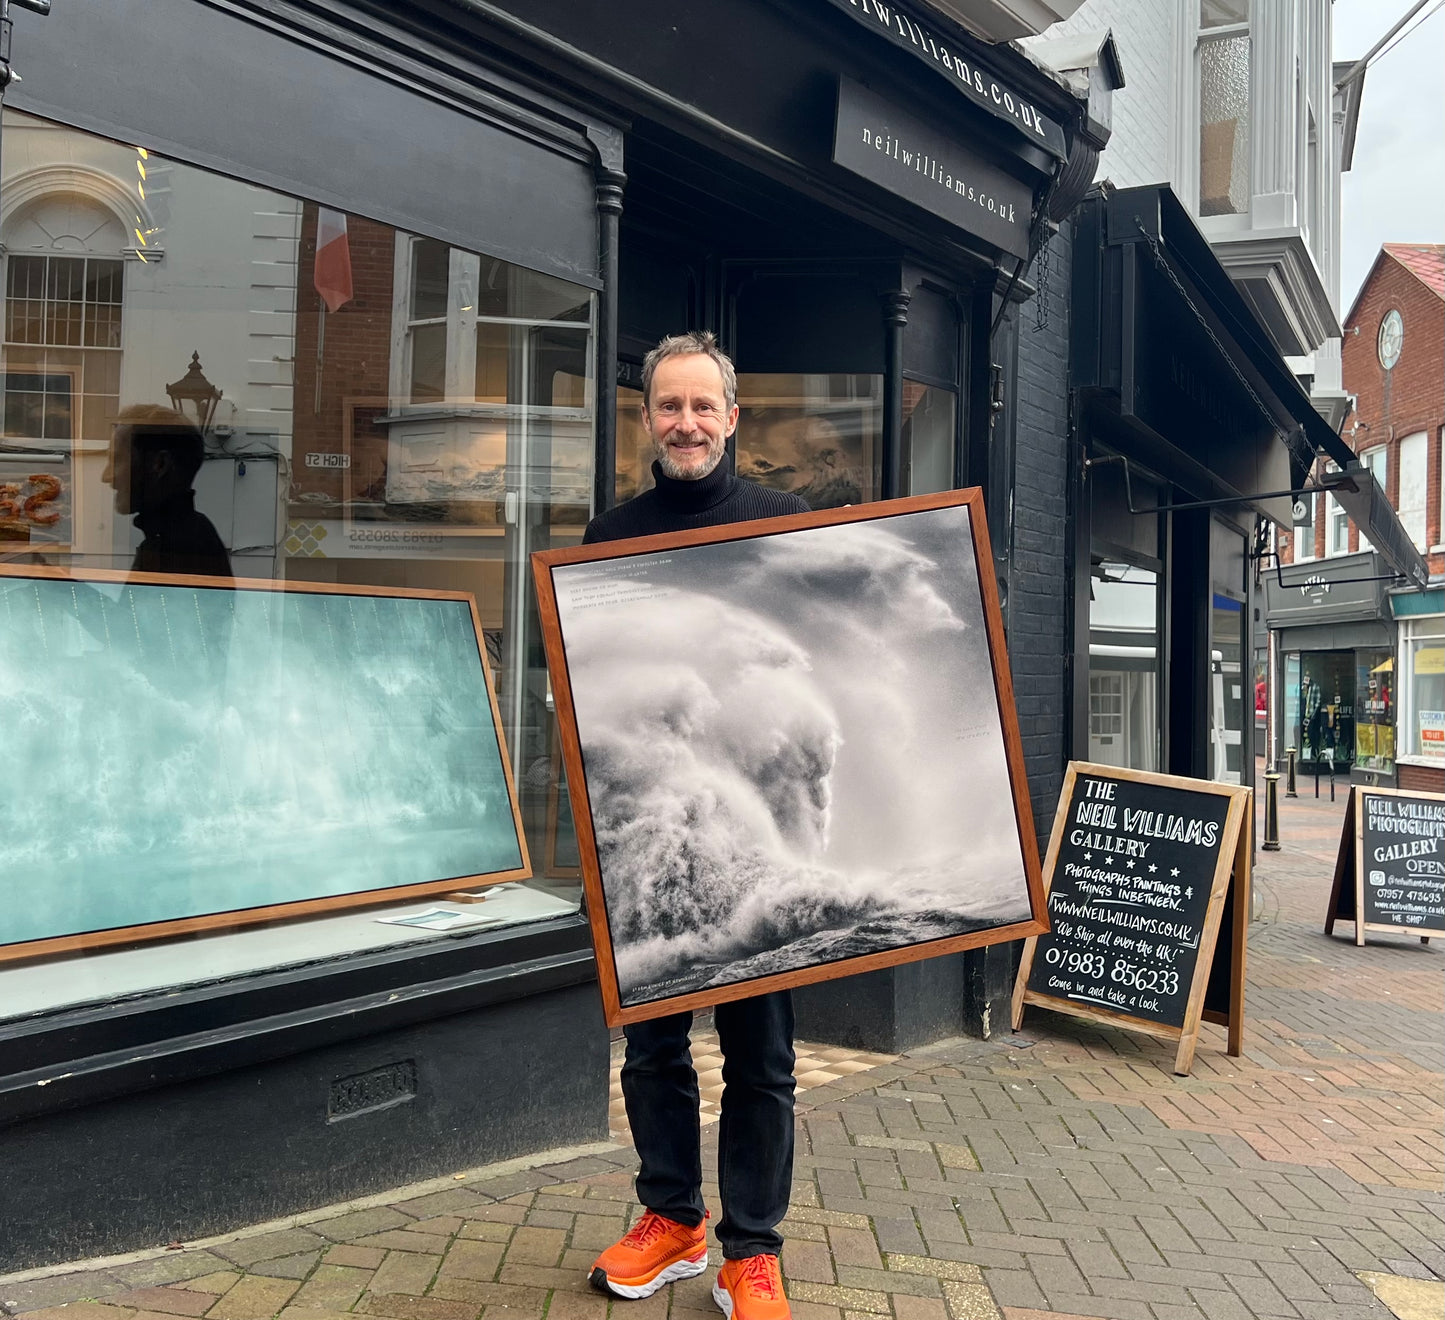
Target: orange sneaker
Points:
(655, 1251)
(751, 1289)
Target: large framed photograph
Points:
(190, 753)
(791, 748)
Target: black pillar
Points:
(610, 182)
(895, 317)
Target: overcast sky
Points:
(1395, 193)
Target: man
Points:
(689, 408)
(155, 454)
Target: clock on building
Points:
(1392, 335)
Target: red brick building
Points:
(1394, 366)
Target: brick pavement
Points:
(1062, 1172)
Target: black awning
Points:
(1197, 374)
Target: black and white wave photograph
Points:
(793, 750)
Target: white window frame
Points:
(1334, 516)
(1420, 452)
(1304, 537)
(1376, 461)
(1192, 118)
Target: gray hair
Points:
(700, 342)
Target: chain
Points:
(1041, 294)
(1300, 450)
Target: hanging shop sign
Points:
(925, 165)
(1390, 872)
(1142, 873)
(979, 83)
(220, 752)
(751, 814)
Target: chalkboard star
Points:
(1088, 857)
(1152, 868)
(1173, 870)
(1130, 863)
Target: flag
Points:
(332, 272)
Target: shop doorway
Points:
(1322, 713)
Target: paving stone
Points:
(405, 1272)
(246, 1251)
(216, 1284)
(361, 1224)
(471, 1260)
(810, 1261)
(333, 1287)
(857, 1299)
(348, 1253)
(400, 1306)
(254, 1298)
(173, 1267)
(61, 1290)
(407, 1239)
(81, 1311)
(174, 1301)
(288, 1267)
(455, 1201)
(969, 1301)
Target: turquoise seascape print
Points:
(177, 751)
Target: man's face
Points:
(117, 472)
(688, 417)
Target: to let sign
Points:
(911, 159)
(1142, 871)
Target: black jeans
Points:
(755, 1134)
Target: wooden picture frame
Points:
(1348, 893)
(1215, 990)
(147, 658)
(732, 865)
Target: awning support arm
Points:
(1325, 486)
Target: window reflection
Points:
(815, 435)
(1124, 665)
(426, 426)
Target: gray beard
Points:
(670, 469)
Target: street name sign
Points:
(1390, 872)
(1142, 872)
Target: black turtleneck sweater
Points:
(679, 506)
(180, 539)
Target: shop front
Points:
(1336, 643)
(1419, 663)
(399, 265)
(1190, 432)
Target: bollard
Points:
(1289, 784)
(1271, 811)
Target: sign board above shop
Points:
(930, 167)
(997, 95)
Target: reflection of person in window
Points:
(155, 454)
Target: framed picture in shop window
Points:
(791, 749)
(202, 754)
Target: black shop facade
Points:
(528, 196)
(1189, 435)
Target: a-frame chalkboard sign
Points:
(1142, 873)
(1390, 872)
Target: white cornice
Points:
(1004, 20)
(1276, 272)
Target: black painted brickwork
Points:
(1039, 593)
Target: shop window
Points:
(930, 415)
(1124, 665)
(1325, 711)
(1414, 488)
(1224, 107)
(1422, 709)
(816, 435)
(423, 426)
(1375, 711)
(1227, 692)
